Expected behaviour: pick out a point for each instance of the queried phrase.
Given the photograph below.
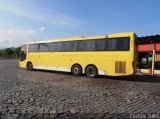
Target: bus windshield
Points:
(23, 52)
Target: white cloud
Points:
(16, 37)
(42, 29)
(41, 15)
(16, 32)
(31, 12)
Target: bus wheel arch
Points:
(29, 66)
(76, 69)
(91, 71)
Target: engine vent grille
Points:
(120, 67)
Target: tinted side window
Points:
(101, 45)
(58, 46)
(81, 45)
(91, 45)
(69, 46)
(86, 45)
(43, 47)
(55, 47)
(115, 44)
(32, 47)
(109, 44)
(74, 46)
(66, 46)
(123, 44)
(112, 44)
(52, 47)
(126, 43)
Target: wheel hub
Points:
(91, 72)
(76, 70)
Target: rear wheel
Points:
(91, 71)
(76, 70)
(29, 66)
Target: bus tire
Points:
(76, 70)
(29, 66)
(91, 71)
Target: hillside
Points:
(10, 53)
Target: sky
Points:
(37, 20)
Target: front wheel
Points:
(29, 66)
(91, 71)
(76, 70)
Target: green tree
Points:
(17, 51)
(9, 52)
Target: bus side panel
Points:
(31, 57)
(43, 59)
(105, 62)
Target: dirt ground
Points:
(48, 94)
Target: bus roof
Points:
(124, 34)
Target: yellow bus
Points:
(112, 55)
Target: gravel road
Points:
(47, 95)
